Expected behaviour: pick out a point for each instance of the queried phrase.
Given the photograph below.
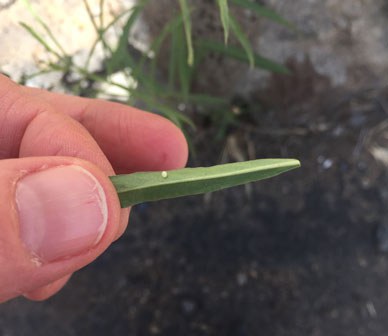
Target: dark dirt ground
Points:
(301, 254)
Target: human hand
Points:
(59, 210)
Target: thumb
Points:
(57, 214)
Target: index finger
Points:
(132, 140)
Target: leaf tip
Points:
(294, 163)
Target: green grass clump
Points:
(186, 54)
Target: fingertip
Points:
(171, 148)
(124, 219)
(182, 149)
(155, 144)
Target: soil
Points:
(300, 254)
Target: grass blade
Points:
(156, 46)
(243, 39)
(120, 57)
(239, 54)
(183, 68)
(264, 11)
(46, 28)
(39, 38)
(224, 14)
(52, 36)
(103, 31)
(205, 99)
(176, 117)
(173, 61)
(152, 186)
(91, 16)
(187, 25)
(107, 48)
(101, 10)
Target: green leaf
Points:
(187, 25)
(243, 39)
(239, 54)
(224, 14)
(264, 11)
(153, 186)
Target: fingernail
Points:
(62, 212)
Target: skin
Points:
(39, 128)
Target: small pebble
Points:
(242, 279)
(154, 329)
(188, 306)
(328, 163)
